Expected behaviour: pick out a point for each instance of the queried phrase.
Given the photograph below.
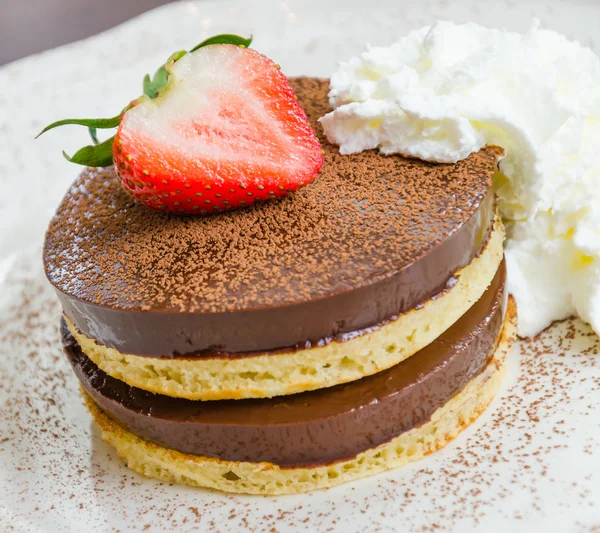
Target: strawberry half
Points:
(225, 132)
(217, 128)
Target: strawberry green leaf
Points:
(101, 123)
(158, 81)
(224, 38)
(94, 155)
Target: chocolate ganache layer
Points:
(371, 238)
(310, 428)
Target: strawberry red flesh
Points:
(225, 132)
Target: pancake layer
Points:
(445, 424)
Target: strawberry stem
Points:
(94, 135)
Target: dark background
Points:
(29, 26)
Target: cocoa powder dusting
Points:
(364, 218)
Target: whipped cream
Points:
(443, 92)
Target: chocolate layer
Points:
(315, 427)
(373, 237)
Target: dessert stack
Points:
(249, 310)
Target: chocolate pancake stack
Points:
(342, 330)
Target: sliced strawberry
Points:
(225, 132)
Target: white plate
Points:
(530, 463)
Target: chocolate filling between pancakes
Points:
(312, 428)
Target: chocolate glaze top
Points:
(366, 219)
(313, 427)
